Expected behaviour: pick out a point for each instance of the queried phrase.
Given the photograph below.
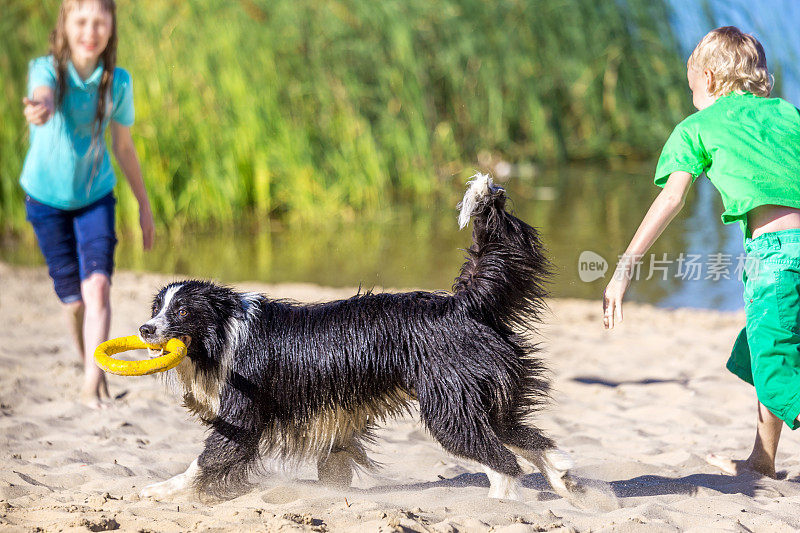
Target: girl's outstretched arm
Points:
(664, 208)
(125, 152)
(39, 108)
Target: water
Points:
(576, 209)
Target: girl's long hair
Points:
(59, 48)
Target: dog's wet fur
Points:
(276, 378)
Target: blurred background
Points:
(329, 141)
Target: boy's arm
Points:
(125, 152)
(664, 208)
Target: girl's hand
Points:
(612, 299)
(36, 112)
(147, 225)
(125, 151)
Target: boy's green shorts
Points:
(767, 351)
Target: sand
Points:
(638, 408)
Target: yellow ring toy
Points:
(174, 351)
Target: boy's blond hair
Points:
(737, 60)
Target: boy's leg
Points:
(771, 342)
(762, 458)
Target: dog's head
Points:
(193, 311)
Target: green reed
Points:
(301, 109)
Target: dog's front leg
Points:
(232, 447)
(173, 485)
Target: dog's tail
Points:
(505, 273)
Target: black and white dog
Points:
(310, 382)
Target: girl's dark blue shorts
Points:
(75, 243)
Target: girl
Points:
(74, 94)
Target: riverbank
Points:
(638, 408)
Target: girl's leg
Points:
(96, 239)
(55, 234)
(762, 458)
(74, 313)
(97, 319)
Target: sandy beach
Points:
(637, 408)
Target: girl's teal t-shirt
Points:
(748, 146)
(61, 168)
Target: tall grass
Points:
(299, 109)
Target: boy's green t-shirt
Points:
(748, 146)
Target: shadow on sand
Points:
(640, 486)
(590, 380)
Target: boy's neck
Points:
(84, 66)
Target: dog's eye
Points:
(182, 311)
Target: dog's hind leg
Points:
(471, 436)
(499, 463)
(173, 485)
(542, 453)
(554, 465)
(501, 486)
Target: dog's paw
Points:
(163, 489)
(171, 486)
(501, 486)
(508, 492)
(555, 464)
(156, 490)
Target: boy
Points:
(749, 146)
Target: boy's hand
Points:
(666, 205)
(37, 113)
(612, 300)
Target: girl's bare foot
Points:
(93, 401)
(96, 398)
(94, 393)
(736, 467)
